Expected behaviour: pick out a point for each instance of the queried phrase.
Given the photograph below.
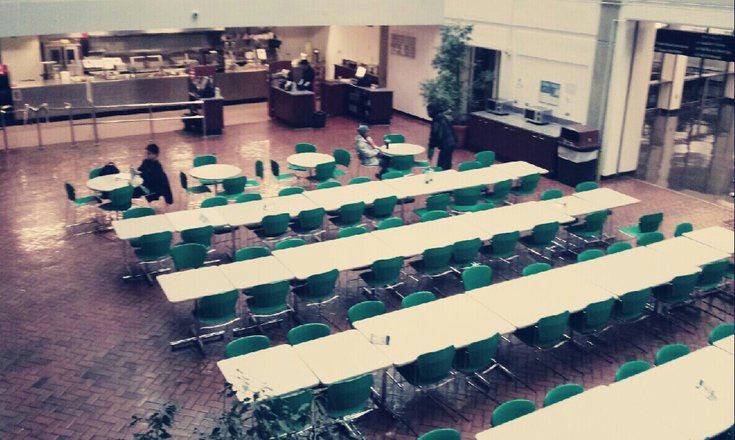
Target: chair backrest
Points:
(188, 255)
(401, 163)
(276, 224)
(632, 305)
(214, 201)
(121, 198)
(321, 285)
(545, 233)
(383, 207)
(251, 252)
(303, 147)
(417, 298)
(394, 138)
(594, 222)
(469, 165)
(683, 228)
(259, 169)
(619, 247)
(328, 184)
(467, 196)
(217, 308)
(590, 254)
(434, 215)
(387, 271)
(534, 268)
(720, 332)
(324, 171)
(502, 189)
(342, 157)
(275, 168)
(307, 332)
(647, 238)
(201, 235)
(562, 392)
(668, 353)
(477, 356)
(158, 244)
(504, 245)
(183, 180)
(205, 159)
(511, 410)
(349, 396)
(437, 202)
(292, 414)
(351, 213)
(631, 369)
(712, 274)
(234, 185)
(290, 190)
(359, 179)
(95, 172)
(391, 175)
(435, 259)
(597, 315)
(650, 222)
(350, 231)
(391, 222)
(289, 243)
(586, 186)
(248, 197)
(680, 288)
(245, 345)
(71, 193)
(551, 194)
(433, 367)
(486, 158)
(476, 276)
(310, 219)
(551, 329)
(530, 182)
(267, 298)
(465, 251)
(364, 310)
(442, 434)
(137, 212)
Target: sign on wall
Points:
(549, 92)
(696, 44)
(403, 45)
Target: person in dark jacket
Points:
(155, 182)
(441, 137)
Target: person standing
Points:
(155, 182)
(441, 137)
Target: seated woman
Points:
(367, 151)
(155, 182)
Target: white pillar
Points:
(730, 82)
(673, 71)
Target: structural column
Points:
(673, 72)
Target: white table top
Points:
(716, 237)
(573, 206)
(335, 197)
(519, 217)
(218, 171)
(607, 198)
(137, 227)
(683, 249)
(255, 272)
(341, 356)
(727, 344)
(415, 185)
(274, 371)
(415, 238)
(401, 149)
(485, 175)
(309, 160)
(520, 168)
(195, 283)
(456, 320)
(196, 218)
(113, 181)
(252, 213)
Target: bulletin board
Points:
(549, 92)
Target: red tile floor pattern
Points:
(81, 351)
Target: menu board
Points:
(696, 44)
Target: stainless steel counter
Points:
(517, 120)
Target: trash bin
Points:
(320, 119)
(575, 165)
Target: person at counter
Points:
(441, 137)
(155, 182)
(301, 75)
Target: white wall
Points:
(358, 43)
(23, 57)
(295, 40)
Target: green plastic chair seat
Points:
(188, 255)
(246, 345)
(551, 194)
(293, 413)
(619, 247)
(290, 190)
(392, 222)
(436, 202)
(217, 309)
(542, 235)
(720, 332)
(359, 179)
(324, 172)
(417, 298)
(594, 318)
(670, 352)
(528, 185)
(251, 252)
(381, 208)
(273, 226)
(268, 299)
(349, 215)
(586, 186)
(683, 228)
(502, 246)
(647, 238)
(466, 199)
(592, 226)
(289, 243)
(477, 356)
(307, 332)
(678, 291)
(511, 410)
(500, 192)
(276, 171)
(534, 268)
(248, 197)
(486, 158)
(434, 215)
(120, 199)
(465, 252)
(348, 397)
(309, 221)
(562, 392)
(154, 247)
(233, 187)
(631, 368)
(469, 165)
(383, 273)
(394, 138)
(434, 261)
(632, 305)
(429, 368)
(328, 184)
(549, 332)
(476, 277)
(590, 254)
(711, 276)
(442, 434)
(646, 223)
(365, 310)
(350, 231)
(318, 287)
(201, 235)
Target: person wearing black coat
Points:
(155, 182)
(441, 137)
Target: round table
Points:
(113, 181)
(402, 149)
(216, 172)
(309, 160)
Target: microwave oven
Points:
(537, 115)
(498, 106)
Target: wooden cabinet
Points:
(334, 97)
(294, 108)
(372, 106)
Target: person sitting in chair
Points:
(367, 151)
(155, 182)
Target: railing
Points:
(41, 114)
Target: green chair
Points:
(273, 227)
(391, 175)
(248, 197)
(154, 249)
(434, 263)
(323, 172)
(205, 159)
(548, 334)
(394, 138)
(307, 332)
(683, 228)
(722, 331)
(276, 171)
(668, 353)
(647, 238)
(466, 199)
(302, 148)
(348, 400)
(476, 276)
(95, 172)
(631, 368)
(381, 208)
(676, 293)
(401, 164)
(259, 173)
(542, 240)
(434, 215)
(562, 392)
(76, 203)
(191, 190)
(710, 280)
(646, 223)
(500, 192)
(383, 274)
(267, 301)
(350, 231)
(137, 212)
(469, 165)
(212, 312)
(551, 194)
(534, 268)
(631, 308)
(527, 187)
(392, 222)
(201, 235)
(477, 359)
(246, 345)
(318, 289)
(121, 199)
(342, 158)
(188, 256)
(359, 179)
(291, 414)
(591, 231)
(442, 434)
(464, 254)
(233, 187)
(251, 252)
(502, 247)
(619, 247)
(328, 184)
(309, 223)
(486, 158)
(349, 215)
(592, 322)
(290, 190)
(365, 310)
(436, 202)
(289, 243)
(511, 410)
(417, 298)
(212, 202)
(586, 186)
(590, 254)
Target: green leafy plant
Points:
(157, 423)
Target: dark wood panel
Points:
(295, 109)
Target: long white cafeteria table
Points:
(727, 344)
(715, 237)
(252, 213)
(686, 250)
(333, 198)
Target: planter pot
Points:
(460, 133)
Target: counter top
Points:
(293, 92)
(517, 120)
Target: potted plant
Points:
(448, 90)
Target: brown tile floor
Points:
(81, 351)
